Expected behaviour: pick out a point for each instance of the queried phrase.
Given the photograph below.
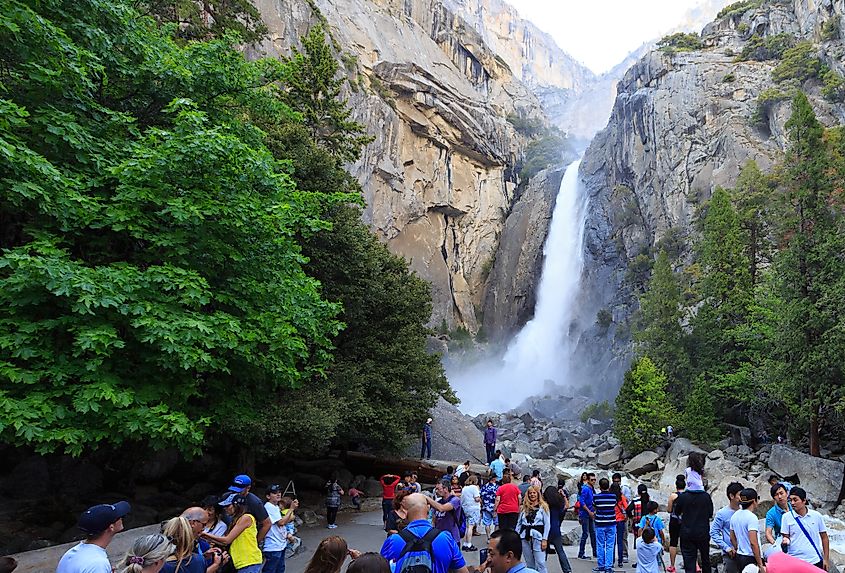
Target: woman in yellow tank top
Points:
(241, 537)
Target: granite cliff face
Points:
(681, 125)
(440, 179)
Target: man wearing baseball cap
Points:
(241, 485)
(745, 531)
(100, 524)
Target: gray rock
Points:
(610, 457)
(739, 435)
(642, 463)
(821, 478)
(157, 464)
(371, 488)
(453, 436)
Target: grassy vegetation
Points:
(680, 42)
(604, 318)
(765, 101)
(831, 29)
(737, 9)
(527, 126)
(602, 411)
(544, 151)
(761, 48)
(800, 63)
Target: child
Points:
(356, 495)
(694, 474)
(653, 521)
(288, 505)
(649, 553)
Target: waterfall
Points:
(542, 350)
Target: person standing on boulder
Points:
(693, 509)
(490, 435)
(497, 466)
(744, 531)
(425, 448)
(720, 531)
(587, 517)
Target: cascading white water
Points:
(541, 351)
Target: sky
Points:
(600, 33)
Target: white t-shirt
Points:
(276, 539)
(743, 522)
(219, 528)
(468, 495)
(84, 558)
(799, 545)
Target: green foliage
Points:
(526, 125)
(602, 411)
(831, 29)
(737, 9)
(762, 48)
(800, 63)
(699, 417)
(834, 86)
(639, 271)
(728, 78)
(604, 318)
(765, 101)
(680, 42)
(642, 407)
(208, 19)
(149, 262)
(545, 151)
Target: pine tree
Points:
(699, 417)
(753, 198)
(642, 406)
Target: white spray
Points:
(541, 351)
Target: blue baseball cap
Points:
(97, 519)
(240, 483)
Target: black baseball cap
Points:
(97, 519)
(748, 496)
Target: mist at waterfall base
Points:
(540, 354)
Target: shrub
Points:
(737, 9)
(680, 42)
(642, 407)
(728, 78)
(834, 86)
(543, 152)
(528, 126)
(799, 64)
(604, 318)
(598, 411)
(765, 101)
(769, 48)
(831, 29)
(699, 417)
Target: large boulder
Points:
(739, 435)
(609, 457)
(642, 463)
(454, 437)
(822, 478)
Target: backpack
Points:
(423, 560)
(461, 521)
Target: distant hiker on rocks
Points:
(720, 530)
(744, 528)
(490, 436)
(425, 449)
(100, 524)
(804, 532)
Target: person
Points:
(242, 485)
(397, 519)
(447, 510)
(533, 527)
(774, 480)
(780, 562)
(674, 521)
(587, 516)
(497, 466)
(355, 496)
(471, 506)
(100, 524)
(420, 538)
(523, 487)
(604, 503)
(488, 505)
(558, 503)
(490, 436)
(146, 555)
(694, 472)
(407, 484)
(450, 471)
(744, 529)
(333, 493)
(535, 480)
(720, 530)
(649, 553)
(651, 520)
(183, 531)
(455, 486)
(388, 488)
(507, 503)
(276, 540)
(330, 555)
(288, 506)
(775, 514)
(514, 468)
(369, 563)
(670, 432)
(415, 482)
(629, 497)
(425, 448)
(694, 509)
(504, 554)
(462, 469)
(216, 524)
(620, 510)
(635, 508)
(804, 532)
(241, 536)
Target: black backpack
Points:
(417, 553)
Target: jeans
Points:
(425, 449)
(588, 528)
(331, 514)
(557, 543)
(386, 508)
(606, 539)
(491, 452)
(534, 556)
(729, 563)
(621, 538)
(691, 547)
(250, 569)
(274, 562)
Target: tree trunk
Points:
(815, 449)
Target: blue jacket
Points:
(586, 499)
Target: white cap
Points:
(428, 421)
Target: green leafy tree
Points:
(207, 19)
(149, 264)
(753, 197)
(699, 416)
(642, 407)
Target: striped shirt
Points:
(605, 503)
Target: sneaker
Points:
(472, 548)
(598, 570)
(584, 557)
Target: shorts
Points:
(674, 533)
(489, 518)
(473, 516)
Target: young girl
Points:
(356, 494)
(694, 473)
(330, 555)
(652, 520)
(216, 522)
(533, 527)
(241, 536)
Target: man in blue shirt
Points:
(497, 466)
(720, 529)
(775, 514)
(425, 448)
(587, 516)
(445, 553)
(504, 553)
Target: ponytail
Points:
(144, 552)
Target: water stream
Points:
(541, 351)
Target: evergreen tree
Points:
(642, 407)
(753, 198)
(699, 417)
(659, 333)
(208, 19)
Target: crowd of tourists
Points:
(518, 515)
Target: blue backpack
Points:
(417, 553)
